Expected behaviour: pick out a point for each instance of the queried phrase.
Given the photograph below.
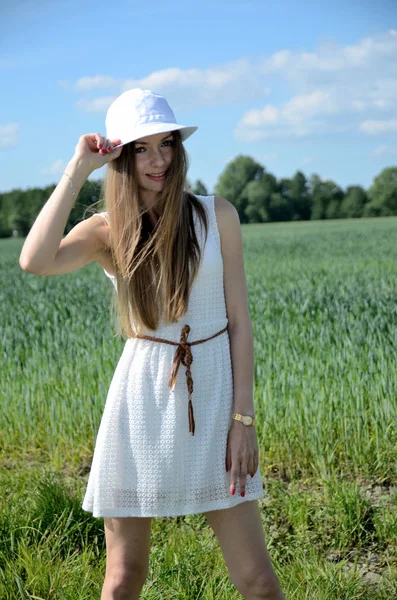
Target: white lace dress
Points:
(146, 463)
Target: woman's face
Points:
(153, 155)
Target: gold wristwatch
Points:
(246, 419)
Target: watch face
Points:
(247, 420)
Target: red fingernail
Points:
(233, 490)
(243, 493)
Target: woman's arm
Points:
(44, 238)
(239, 320)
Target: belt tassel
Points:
(192, 425)
(183, 355)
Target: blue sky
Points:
(296, 85)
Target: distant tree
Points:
(313, 182)
(22, 209)
(354, 202)
(280, 208)
(327, 197)
(89, 196)
(20, 212)
(234, 178)
(6, 214)
(336, 196)
(383, 194)
(320, 199)
(297, 192)
(199, 188)
(372, 209)
(254, 197)
(256, 194)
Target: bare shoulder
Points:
(235, 285)
(101, 227)
(224, 208)
(102, 231)
(227, 217)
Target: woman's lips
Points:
(153, 178)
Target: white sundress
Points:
(145, 462)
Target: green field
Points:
(323, 302)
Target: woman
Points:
(176, 263)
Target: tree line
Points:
(257, 195)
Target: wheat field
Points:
(323, 303)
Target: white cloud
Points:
(291, 118)
(56, 168)
(94, 83)
(184, 88)
(384, 149)
(336, 84)
(8, 135)
(96, 105)
(266, 116)
(335, 89)
(333, 59)
(377, 127)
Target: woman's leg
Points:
(127, 557)
(240, 534)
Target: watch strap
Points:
(239, 417)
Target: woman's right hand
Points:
(96, 150)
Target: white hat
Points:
(137, 113)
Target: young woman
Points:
(177, 433)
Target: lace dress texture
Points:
(145, 462)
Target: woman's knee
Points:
(263, 584)
(123, 579)
(127, 551)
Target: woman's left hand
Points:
(242, 454)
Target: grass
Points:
(324, 312)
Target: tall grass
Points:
(323, 305)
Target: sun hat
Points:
(137, 113)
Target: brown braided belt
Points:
(183, 354)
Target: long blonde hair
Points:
(155, 266)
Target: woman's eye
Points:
(171, 142)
